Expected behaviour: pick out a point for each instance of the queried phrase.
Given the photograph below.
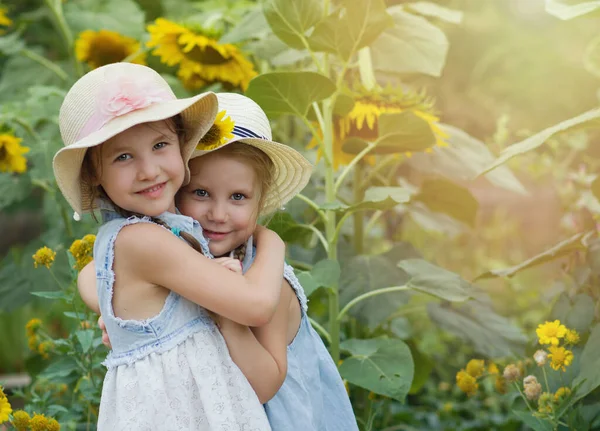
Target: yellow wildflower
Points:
(44, 347)
(33, 342)
(218, 134)
(493, 368)
(11, 154)
(545, 403)
(475, 367)
(466, 382)
(550, 332)
(572, 337)
(500, 384)
(561, 358)
(201, 58)
(90, 239)
(82, 249)
(4, 20)
(84, 324)
(512, 373)
(33, 326)
(5, 407)
(98, 48)
(561, 393)
(44, 256)
(38, 423)
(21, 420)
(53, 425)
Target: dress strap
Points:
(290, 276)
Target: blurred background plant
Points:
(438, 226)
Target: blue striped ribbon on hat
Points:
(243, 132)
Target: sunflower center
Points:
(206, 55)
(106, 50)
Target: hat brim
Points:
(198, 114)
(292, 170)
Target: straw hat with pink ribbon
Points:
(110, 100)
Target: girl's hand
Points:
(105, 339)
(230, 263)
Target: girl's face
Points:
(224, 197)
(141, 169)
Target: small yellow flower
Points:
(84, 324)
(38, 423)
(512, 373)
(561, 394)
(475, 367)
(4, 20)
(561, 358)
(500, 384)
(33, 326)
(5, 408)
(82, 250)
(44, 256)
(33, 343)
(90, 239)
(545, 403)
(99, 48)
(21, 420)
(53, 425)
(493, 368)
(550, 332)
(44, 347)
(219, 133)
(572, 337)
(11, 154)
(466, 382)
(448, 407)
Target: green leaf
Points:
(536, 424)
(326, 273)
(585, 120)
(356, 25)
(589, 371)
(85, 338)
(15, 188)
(423, 368)
(366, 273)
(398, 133)
(290, 20)
(376, 198)
(433, 280)
(288, 229)
(568, 9)
(491, 335)
(591, 58)
(52, 295)
(449, 198)
(561, 249)
(11, 44)
(252, 26)
(463, 159)
(289, 92)
(308, 282)
(381, 365)
(100, 15)
(60, 369)
(436, 11)
(417, 46)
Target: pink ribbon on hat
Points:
(121, 95)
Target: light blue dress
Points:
(313, 396)
(171, 372)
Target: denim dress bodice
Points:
(133, 339)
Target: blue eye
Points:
(238, 196)
(160, 145)
(200, 193)
(122, 157)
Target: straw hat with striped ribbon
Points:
(251, 126)
(110, 100)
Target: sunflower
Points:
(11, 154)
(362, 120)
(201, 58)
(98, 48)
(219, 133)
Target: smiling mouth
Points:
(154, 190)
(210, 234)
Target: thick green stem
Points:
(46, 63)
(359, 231)
(370, 295)
(55, 7)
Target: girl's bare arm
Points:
(153, 254)
(86, 284)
